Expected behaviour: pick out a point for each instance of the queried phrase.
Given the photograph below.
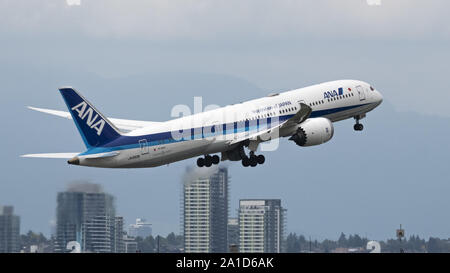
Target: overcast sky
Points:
(136, 59)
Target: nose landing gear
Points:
(358, 126)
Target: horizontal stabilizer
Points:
(62, 114)
(52, 155)
(123, 124)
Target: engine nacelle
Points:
(313, 131)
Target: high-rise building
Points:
(9, 230)
(261, 225)
(86, 214)
(119, 233)
(205, 211)
(233, 233)
(130, 244)
(98, 234)
(141, 229)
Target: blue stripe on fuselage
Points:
(131, 142)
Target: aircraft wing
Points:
(266, 134)
(122, 124)
(303, 113)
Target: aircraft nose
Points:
(380, 97)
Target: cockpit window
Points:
(371, 88)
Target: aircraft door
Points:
(367, 91)
(143, 146)
(362, 95)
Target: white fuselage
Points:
(203, 133)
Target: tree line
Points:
(414, 244)
(293, 244)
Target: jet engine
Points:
(313, 131)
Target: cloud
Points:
(193, 173)
(73, 2)
(373, 2)
(84, 186)
(232, 19)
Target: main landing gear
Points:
(237, 154)
(208, 160)
(253, 160)
(358, 126)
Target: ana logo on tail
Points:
(93, 122)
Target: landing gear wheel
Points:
(208, 161)
(201, 162)
(253, 161)
(260, 159)
(358, 127)
(245, 162)
(215, 159)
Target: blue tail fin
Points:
(94, 128)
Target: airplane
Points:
(305, 115)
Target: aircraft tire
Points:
(201, 162)
(215, 159)
(208, 161)
(245, 162)
(260, 159)
(358, 127)
(253, 161)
